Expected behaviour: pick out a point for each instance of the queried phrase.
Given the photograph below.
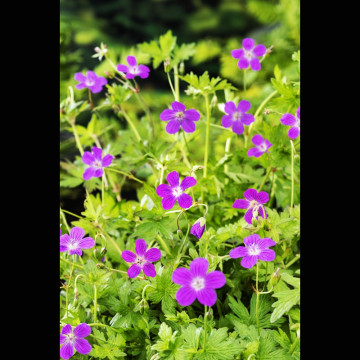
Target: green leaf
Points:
(287, 299)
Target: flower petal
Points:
(298, 112)
(82, 330)
(76, 251)
(178, 106)
(91, 75)
(86, 243)
(261, 212)
(107, 160)
(144, 69)
(248, 216)
(215, 280)
(188, 126)
(140, 247)
(230, 107)
(266, 242)
(239, 251)
(243, 63)
(128, 256)
(262, 197)
(294, 132)
(97, 153)
(98, 172)
(238, 127)
(187, 182)
(226, 121)
(79, 77)
(167, 115)
(64, 242)
(185, 201)
(267, 255)
(168, 202)
(255, 152)
(173, 178)
(80, 86)
(129, 75)
(288, 119)
(82, 346)
(249, 261)
(199, 267)
(95, 88)
(185, 296)
(163, 190)
(66, 351)
(88, 158)
(248, 43)
(122, 68)
(192, 115)
(131, 60)
(255, 64)
(134, 270)
(243, 106)
(251, 240)
(153, 254)
(250, 194)
(207, 296)
(182, 276)
(247, 119)
(257, 139)
(89, 173)
(237, 53)
(172, 126)
(259, 50)
(62, 339)
(77, 233)
(67, 329)
(241, 204)
(149, 269)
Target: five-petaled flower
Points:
(198, 228)
(197, 284)
(255, 249)
(179, 117)
(254, 203)
(71, 339)
(96, 162)
(92, 81)
(236, 116)
(175, 192)
(249, 54)
(75, 241)
(262, 146)
(134, 69)
(294, 122)
(142, 259)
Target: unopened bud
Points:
(182, 68)
(274, 279)
(214, 101)
(103, 251)
(167, 66)
(269, 50)
(180, 233)
(198, 228)
(267, 112)
(254, 222)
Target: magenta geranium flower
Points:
(294, 122)
(134, 69)
(254, 202)
(197, 284)
(175, 192)
(198, 228)
(255, 249)
(236, 116)
(262, 146)
(96, 162)
(92, 81)
(178, 117)
(249, 54)
(142, 259)
(71, 339)
(75, 242)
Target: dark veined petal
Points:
(173, 178)
(168, 202)
(131, 60)
(241, 204)
(134, 270)
(182, 276)
(249, 261)
(82, 346)
(262, 197)
(248, 43)
(255, 64)
(107, 160)
(77, 233)
(79, 77)
(248, 216)
(185, 201)
(97, 153)
(255, 152)
(149, 269)
(230, 107)
(98, 172)
(247, 119)
(185, 296)
(82, 330)
(122, 68)
(192, 115)
(66, 351)
(188, 126)
(76, 251)
(80, 86)
(239, 251)
(226, 121)
(294, 132)
(89, 173)
(167, 114)
(257, 139)
(238, 127)
(163, 190)
(266, 242)
(67, 329)
(215, 280)
(187, 182)
(88, 158)
(178, 106)
(288, 119)
(251, 240)
(173, 126)
(250, 194)
(128, 256)
(86, 243)
(140, 247)
(199, 267)
(64, 242)
(298, 112)
(206, 296)
(267, 255)
(152, 255)
(244, 106)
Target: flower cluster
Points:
(294, 122)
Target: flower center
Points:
(134, 70)
(198, 283)
(262, 147)
(97, 164)
(297, 122)
(179, 115)
(140, 260)
(70, 337)
(73, 245)
(248, 54)
(237, 116)
(89, 82)
(254, 249)
(177, 191)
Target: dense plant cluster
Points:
(215, 179)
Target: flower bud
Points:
(214, 101)
(254, 221)
(274, 279)
(103, 251)
(167, 66)
(182, 68)
(198, 228)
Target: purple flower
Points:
(254, 202)
(294, 122)
(198, 228)
(236, 116)
(75, 242)
(249, 54)
(92, 81)
(74, 339)
(197, 284)
(142, 260)
(96, 162)
(262, 146)
(256, 249)
(134, 69)
(175, 192)
(179, 117)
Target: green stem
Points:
(186, 144)
(227, 149)
(64, 219)
(70, 213)
(146, 109)
(98, 324)
(77, 140)
(207, 136)
(95, 303)
(171, 86)
(68, 262)
(163, 244)
(68, 285)
(292, 348)
(133, 128)
(113, 242)
(292, 177)
(265, 178)
(257, 297)
(176, 79)
(126, 174)
(102, 190)
(296, 258)
(244, 83)
(220, 127)
(205, 324)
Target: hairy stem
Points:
(207, 136)
(131, 176)
(265, 178)
(176, 80)
(95, 303)
(77, 140)
(163, 244)
(131, 124)
(292, 176)
(257, 297)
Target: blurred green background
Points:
(216, 26)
